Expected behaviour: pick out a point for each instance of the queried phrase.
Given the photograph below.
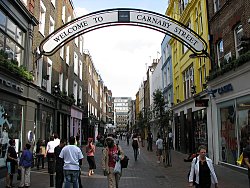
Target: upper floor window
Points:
(11, 39)
(238, 33)
(188, 82)
(63, 13)
(220, 51)
(61, 81)
(67, 55)
(216, 5)
(62, 52)
(76, 41)
(51, 25)
(80, 68)
(75, 63)
(42, 18)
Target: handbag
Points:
(124, 162)
(194, 177)
(240, 160)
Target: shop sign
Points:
(223, 89)
(201, 102)
(12, 85)
(45, 100)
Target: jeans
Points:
(71, 176)
(135, 153)
(25, 177)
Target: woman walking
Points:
(90, 150)
(135, 145)
(202, 168)
(25, 165)
(112, 153)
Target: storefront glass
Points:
(11, 118)
(234, 128)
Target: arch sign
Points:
(123, 16)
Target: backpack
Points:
(135, 144)
(124, 162)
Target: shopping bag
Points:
(240, 160)
(117, 169)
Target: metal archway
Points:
(123, 16)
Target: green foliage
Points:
(12, 66)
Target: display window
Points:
(11, 118)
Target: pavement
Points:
(143, 173)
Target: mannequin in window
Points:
(5, 140)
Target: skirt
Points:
(91, 161)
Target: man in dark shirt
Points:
(59, 164)
(11, 162)
(246, 157)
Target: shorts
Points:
(11, 168)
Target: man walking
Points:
(59, 164)
(71, 154)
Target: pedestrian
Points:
(150, 141)
(78, 144)
(59, 164)
(50, 155)
(159, 147)
(112, 153)
(40, 153)
(25, 164)
(11, 162)
(246, 157)
(71, 155)
(135, 145)
(128, 138)
(202, 168)
(90, 150)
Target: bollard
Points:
(51, 169)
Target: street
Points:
(144, 173)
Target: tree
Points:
(163, 117)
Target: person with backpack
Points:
(203, 171)
(25, 164)
(135, 145)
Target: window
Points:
(61, 81)
(67, 86)
(42, 18)
(69, 18)
(49, 73)
(80, 94)
(216, 5)
(238, 33)
(75, 63)
(200, 18)
(80, 68)
(13, 44)
(51, 25)
(75, 87)
(76, 41)
(63, 13)
(188, 82)
(81, 45)
(220, 52)
(67, 55)
(62, 52)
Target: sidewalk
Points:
(144, 173)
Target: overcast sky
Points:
(121, 54)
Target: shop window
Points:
(228, 135)
(11, 118)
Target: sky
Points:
(121, 54)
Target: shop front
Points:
(231, 112)
(76, 123)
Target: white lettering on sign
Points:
(170, 26)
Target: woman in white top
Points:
(50, 154)
(203, 168)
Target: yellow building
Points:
(189, 74)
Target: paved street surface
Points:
(144, 173)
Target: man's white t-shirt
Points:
(159, 143)
(71, 155)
